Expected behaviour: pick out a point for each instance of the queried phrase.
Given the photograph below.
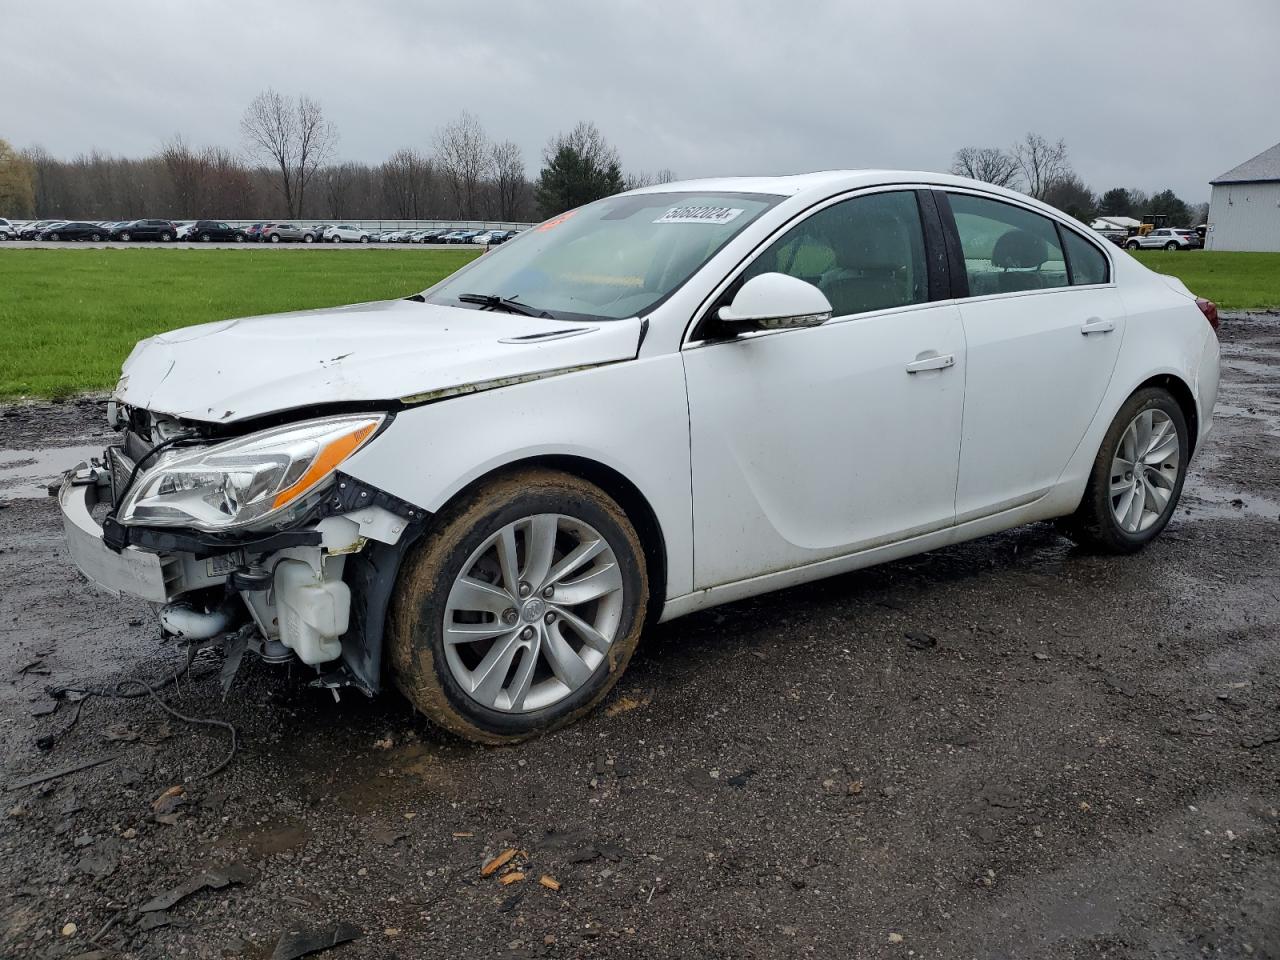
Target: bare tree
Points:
(317, 138)
(587, 142)
(464, 160)
(509, 182)
(988, 164)
(1041, 163)
(294, 136)
(408, 183)
(17, 189)
(188, 175)
(643, 178)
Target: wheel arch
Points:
(628, 496)
(1182, 393)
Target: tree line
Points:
(286, 166)
(1041, 169)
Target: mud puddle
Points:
(26, 474)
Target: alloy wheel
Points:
(1144, 471)
(532, 613)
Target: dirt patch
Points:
(1007, 748)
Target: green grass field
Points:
(68, 318)
(1235, 281)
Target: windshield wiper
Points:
(505, 304)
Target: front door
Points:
(813, 443)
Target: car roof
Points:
(823, 180)
(825, 183)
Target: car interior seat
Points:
(874, 267)
(1019, 255)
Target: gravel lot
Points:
(1009, 748)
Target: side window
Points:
(1007, 249)
(1088, 264)
(866, 253)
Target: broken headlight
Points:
(266, 479)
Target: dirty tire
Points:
(415, 628)
(1093, 524)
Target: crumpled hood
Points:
(238, 369)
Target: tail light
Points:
(1210, 311)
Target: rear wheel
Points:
(126, 236)
(1133, 245)
(204, 238)
(166, 237)
(1171, 245)
(275, 238)
(1137, 476)
(520, 612)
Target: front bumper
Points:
(138, 573)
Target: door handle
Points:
(1096, 325)
(932, 363)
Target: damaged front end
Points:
(255, 540)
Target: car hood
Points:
(234, 370)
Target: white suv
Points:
(7, 230)
(344, 233)
(1165, 239)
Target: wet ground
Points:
(1009, 748)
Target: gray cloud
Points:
(1145, 95)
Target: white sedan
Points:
(665, 400)
(345, 233)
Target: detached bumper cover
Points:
(131, 571)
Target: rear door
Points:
(1043, 323)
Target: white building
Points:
(1244, 209)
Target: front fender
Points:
(631, 417)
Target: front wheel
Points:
(166, 237)
(519, 613)
(1171, 245)
(1137, 476)
(1133, 245)
(307, 238)
(95, 237)
(364, 239)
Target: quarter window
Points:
(866, 253)
(1088, 264)
(1007, 249)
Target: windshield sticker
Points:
(555, 221)
(714, 215)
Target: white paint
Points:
(770, 460)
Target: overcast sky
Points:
(1147, 94)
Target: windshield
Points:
(611, 259)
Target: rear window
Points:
(1088, 263)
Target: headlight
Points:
(266, 479)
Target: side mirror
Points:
(775, 301)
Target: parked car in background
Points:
(8, 231)
(31, 231)
(1165, 238)
(345, 233)
(288, 233)
(74, 230)
(485, 237)
(185, 229)
(162, 230)
(460, 236)
(215, 231)
(501, 236)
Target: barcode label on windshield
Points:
(716, 215)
